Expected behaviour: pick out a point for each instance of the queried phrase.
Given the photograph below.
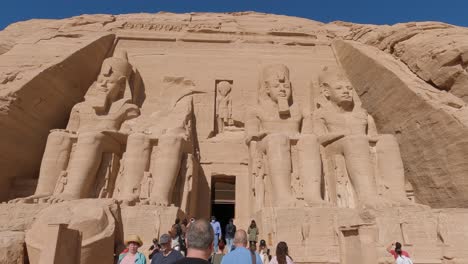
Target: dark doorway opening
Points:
(223, 197)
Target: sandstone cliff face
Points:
(435, 52)
(430, 125)
(46, 67)
(43, 73)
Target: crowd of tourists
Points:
(202, 242)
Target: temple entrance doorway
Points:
(223, 197)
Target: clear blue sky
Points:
(358, 11)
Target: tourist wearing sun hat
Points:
(132, 256)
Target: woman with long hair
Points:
(253, 233)
(401, 258)
(282, 254)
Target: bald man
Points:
(241, 254)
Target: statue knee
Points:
(169, 139)
(356, 138)
(277, 140)
(309, 139)
(387, 141)
(58, 137)
(90, 138)
(355, 143)
(137, 138)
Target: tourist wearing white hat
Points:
(132, 256)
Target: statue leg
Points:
(391, 167)
(310, 168)
(278, 150)
(259, 192)
(166, 168)
(84, 165)
(135, 164)
(220, 124)
(358, 162)
(54, 161)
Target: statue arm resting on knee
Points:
(320, 129)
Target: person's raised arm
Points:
(390, 247)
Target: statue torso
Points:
(347, 123)
(223, 106)
(90, 121)
(271, 121)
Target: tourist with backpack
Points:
(217, 257)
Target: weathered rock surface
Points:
(431, 125)
(436, 52)
(95, 221)
(19, 217)
(12, 247)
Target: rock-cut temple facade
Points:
(337, 138)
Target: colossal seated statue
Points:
(92, 130)
(156, 146)
(345, 128)
(271, 128)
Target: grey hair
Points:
(240, 237)
(200, 235)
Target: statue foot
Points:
(24, 200)
(377, 203)
(291, 203)
(317, 203)
(158, 203)
(127, 200)
(57, 199)
(144, 202)
(29, 199)
(403, 202)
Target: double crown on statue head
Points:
(118, 64)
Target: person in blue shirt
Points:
(217, 232)
(241, 254)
